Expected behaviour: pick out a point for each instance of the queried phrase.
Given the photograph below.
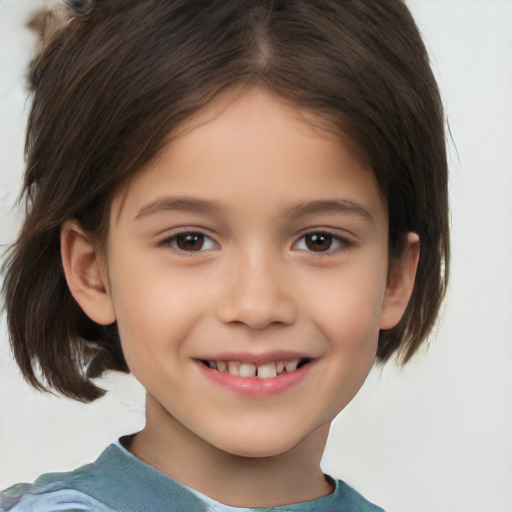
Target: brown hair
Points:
(110, 87)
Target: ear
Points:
(86, 274)
(400, 283)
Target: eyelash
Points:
(340, 243)
(174, 240)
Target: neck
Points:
(291, 477)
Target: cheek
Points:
(348, 306)
(347, 310)
(156, 309)
(350, 325)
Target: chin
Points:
(261, 444)
(251, 450)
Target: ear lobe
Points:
(400, 284)
(86, 274)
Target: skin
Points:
(256, 180)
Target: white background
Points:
(433, 437)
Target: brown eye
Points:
(190, 241)
(322, 242)
(318, 242)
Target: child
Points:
(243, 203)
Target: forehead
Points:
(251, 145)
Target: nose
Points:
(256, 294)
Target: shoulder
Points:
(81, 489)
(116, 482)
(352, 500)
(30, 498)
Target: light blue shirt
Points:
(119, 482)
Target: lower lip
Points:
(254, 386)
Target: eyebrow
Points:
(169, 204)
(304, 209)
(343, 206)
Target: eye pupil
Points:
(318, 242)
(190, 241)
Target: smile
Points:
(257, 379)
(251, 370)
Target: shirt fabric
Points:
(120, 482)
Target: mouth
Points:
(250, 370)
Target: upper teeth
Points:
(262, 371)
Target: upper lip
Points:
(257, 359)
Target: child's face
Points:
(255, 239)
